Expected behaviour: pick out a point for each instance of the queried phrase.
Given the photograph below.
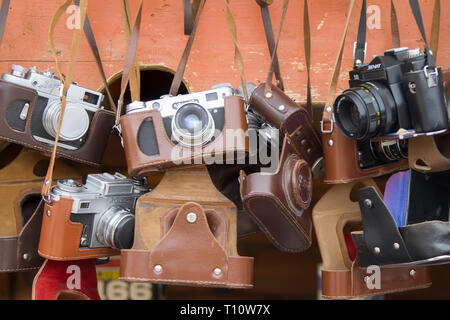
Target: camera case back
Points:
(89, 221)
(278, 202)
(144, 128)
(29, 111)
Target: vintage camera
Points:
(30, 106)
(102, 209)
(392, 92)
(175, 130)
(374, 153)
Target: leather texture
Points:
(66, 280)
(338, 211)
(21, 211)
(383, 243)
(432, 154)
(171, 155)
(90, 153)
(186, 251)
(60, 237)
(278, 202)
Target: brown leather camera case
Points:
(60, 237)
(185, 234)
(20, 180)
(142, 164)
(278, 202)
(341, 277)
(91, 152)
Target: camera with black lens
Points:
(101, 212)
(372, 153)
(395, 91)
(30, 106)
(196, 128)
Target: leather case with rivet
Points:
(13, 99)
(185, 234)
(335, 215)
(432, 153)
(22, 173)
(141, 129)
(279, 201)
(411, 227)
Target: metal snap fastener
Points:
(191, 217)
(157, 269)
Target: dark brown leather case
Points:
(91, 152)
(60, 237)
(171, 154)
(21, 211)
(278, 202)
(185, 234)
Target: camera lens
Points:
(115, 228)
(390, 150)
(365, 112)
(75, 123)
(192, 125)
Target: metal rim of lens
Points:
(188, 140)
(50, 118)
(108, 223)
(343, 105)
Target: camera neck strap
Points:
(178, 77)
(415, 8)
(361, 46)
(435, 26)
(190, 11)
(267, 89)
(66, 80)
(135, 74)
(94, 48)
(3, 15)
(238, 59)
(394, 27)
(268, 30)
(328, 111)
(129, 63)
(307, 45)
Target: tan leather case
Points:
(21, 179)
(142, 164)
(91, 152)
(337, 210)
(60, 237)
(185, 234)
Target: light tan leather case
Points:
(185, 234)
(338, 212)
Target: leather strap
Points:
(394, 27)
(238, 60)
(67, 80)
(94, 48)
(268, 88)
(3, 16)
(265, 14)
(435, 26)
(360, 49)
(307, 45)
(178, 77)
(129, 62)
(415, 8)
(190, 11)
(328, 111)
(135, 75)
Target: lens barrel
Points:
(366, 111)
(192, 125)
(115, 228)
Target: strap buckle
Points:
(323, 130)
(432, 77)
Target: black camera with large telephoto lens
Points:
(395, 91)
